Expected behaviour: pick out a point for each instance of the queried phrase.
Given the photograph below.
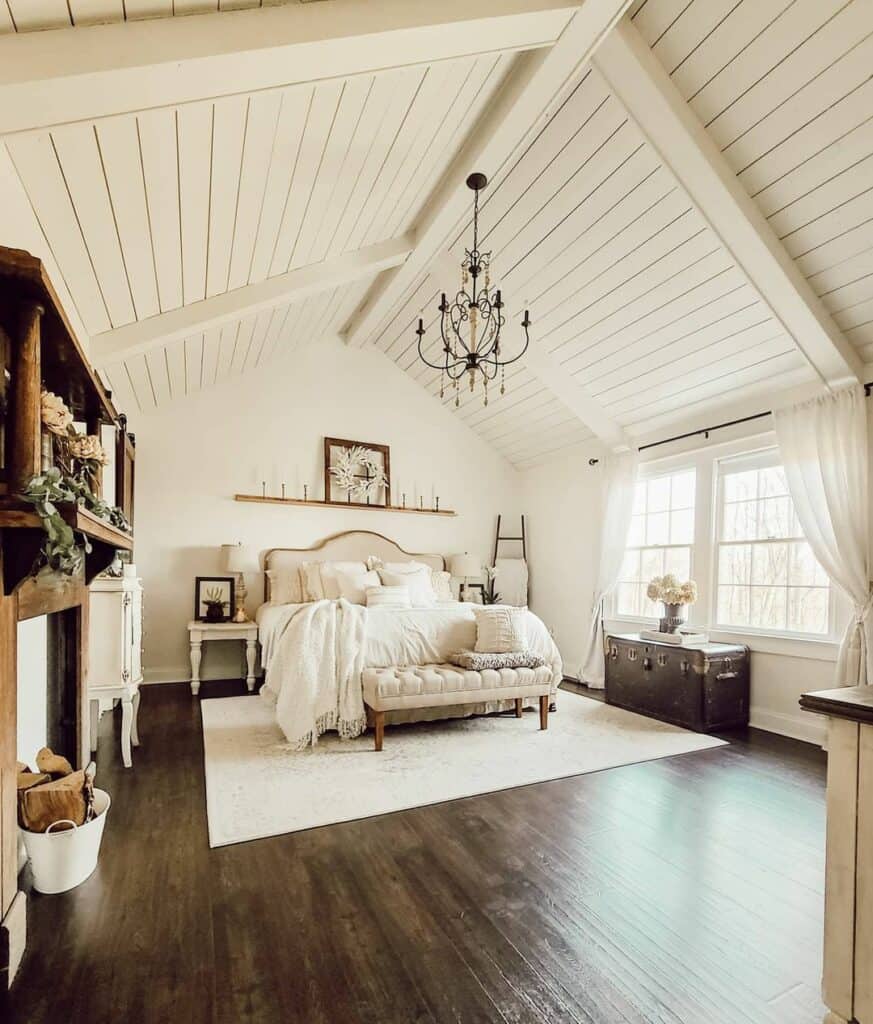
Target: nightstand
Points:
(200, 632)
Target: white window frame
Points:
(704, 565)
(657, 473)
(760, 459)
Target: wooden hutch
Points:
(38, 348)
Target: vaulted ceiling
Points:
(684, 202)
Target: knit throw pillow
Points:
(500, 629)
(474, 662)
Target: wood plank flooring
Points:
(680, 891)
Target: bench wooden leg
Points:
(379, 722)
(544, 712)
(518, 701)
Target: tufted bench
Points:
(430, 686)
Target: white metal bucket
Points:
(63, 860)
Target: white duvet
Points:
(389, 636)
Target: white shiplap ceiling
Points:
(38, 15)
(786, 92)
(642, 313)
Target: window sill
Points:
(759, 643)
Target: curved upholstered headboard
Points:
(349, 546)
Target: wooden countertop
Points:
(852, 702)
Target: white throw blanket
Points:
(511, 581)
(321, 648)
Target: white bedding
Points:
(415, 636)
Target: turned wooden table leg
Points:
(251, 655)
(196, 654)
(544, 712)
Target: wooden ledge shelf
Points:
(259, 499)
(22, 536)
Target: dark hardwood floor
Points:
(680, 891)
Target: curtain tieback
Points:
(862, 612)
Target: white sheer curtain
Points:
(824, 450)
(619, 481)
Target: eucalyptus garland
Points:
(345, 472)
(65, 547)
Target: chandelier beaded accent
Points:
(470, 326)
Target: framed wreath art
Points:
(356, 472)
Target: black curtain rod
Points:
(718, 426)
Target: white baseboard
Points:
(802, 726)
(169, 674)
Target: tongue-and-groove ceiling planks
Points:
(785, 91)
(635, 299)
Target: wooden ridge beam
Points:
(638, 79)
(93, 71)
(143, 335)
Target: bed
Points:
(363, 638)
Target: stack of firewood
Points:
(54, 794)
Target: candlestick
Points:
(420, 503)
(263, 488)
(437, 503)
(403, 500)
(283, 492)
(306, 492)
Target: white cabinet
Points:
(115, 654)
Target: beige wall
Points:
(194, 455)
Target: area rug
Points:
(257, 787)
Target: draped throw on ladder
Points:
(619, 482)
(824, 450)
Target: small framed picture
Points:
(213, 598)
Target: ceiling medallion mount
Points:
(470, 325)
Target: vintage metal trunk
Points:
(704, 688)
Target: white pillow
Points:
(310, 581)
(388, 597)
(442, 585)
(285, 586)
(353, 585)
(500, 629)
(329, 572)
(421, 593)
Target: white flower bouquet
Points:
(87, 448)
(56, 417)
(669, 590)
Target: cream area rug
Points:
(257, 787)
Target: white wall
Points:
(193, 456)
(32, 687)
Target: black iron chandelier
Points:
(470, 326)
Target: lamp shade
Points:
(465, 566)
(237, 558)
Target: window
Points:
(728, 522)
(660, 540)
(766, 574)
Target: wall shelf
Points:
(260, 499)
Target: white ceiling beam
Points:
(65, 75)
(683, 144)
(526, 101)
(143, 335)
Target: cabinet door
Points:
(136, 636)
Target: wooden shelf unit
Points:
(39, 349)
(310, 503)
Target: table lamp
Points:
(465, 567)
(239, 560)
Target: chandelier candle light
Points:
(470, 325)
